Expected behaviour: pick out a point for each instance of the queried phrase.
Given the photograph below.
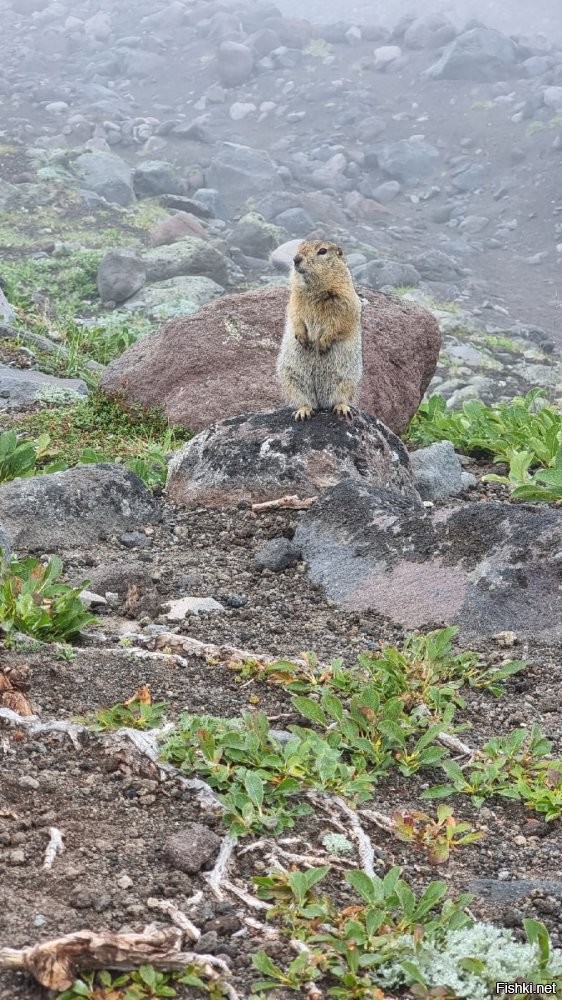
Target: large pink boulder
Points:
(220, 361)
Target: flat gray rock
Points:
(74, 508)
(266, 455)
(19, 388)
(487, 567)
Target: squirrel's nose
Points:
(297, 260)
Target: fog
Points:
(517, 16)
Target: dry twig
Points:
(56, 963)
(54, 847)
(216, 876)
(291, 502)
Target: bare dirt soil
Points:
(116, 812)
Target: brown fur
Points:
(320, 358)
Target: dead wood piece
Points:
(177, 917)
(291, 502)
(56, 963)
(54, 847)
(17, 701)
(215, 877)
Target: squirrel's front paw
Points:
(303, 341)
(343, 410)
(303, 413)
(323, 347)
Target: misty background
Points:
(516, 16)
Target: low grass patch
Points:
(100, 430)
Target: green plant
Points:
(20, 458)
(259, 780)
(134, 714)
(525, 434)
(515, 766)
(300, 972)
(101, 430)
(33, 602)
(438, 837)
(145, 983)
(350, 947)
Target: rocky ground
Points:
(152, 162)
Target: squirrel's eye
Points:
(321, 251)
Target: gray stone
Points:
(537, 66)
(187, 256)
(266, 455)
(552, 97)
(469, 178)
(235, 63)
(74, 508)
(509, 890)
(379, 274)
(174, 297)
(277, 554)
(386, 55)
(107, 176)
(434, 265)
(295, 221)
(157, 177)
(282, 257)
(387, 192)
(5, 547)
(21, 387)
(437, 471)
(121, 273)
(191, 849)
(191, 606)
(480, 54)
(474, 224)
(135, 540)
(256, 237)
(485, 567)
(408, 161)
(272, 205)
(7, 314)
(240, 172)
(211, 200)
(430, 31)
(10, 195)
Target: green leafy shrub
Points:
(259, 780)
(145, 983)
(515, 766)
(33, 602)
(135, 714)
(525, 434)
(20, 458)
(94, 430)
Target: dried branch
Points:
(216, 876)
(246, 897)
(362, 839)
(54, 847)
(291, 502)
(379, 819)
(176, 916)
(56, 963)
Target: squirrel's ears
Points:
(339, 251)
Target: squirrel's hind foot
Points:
(303, 413)
(343, 410)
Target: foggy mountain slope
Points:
(134, 77)
(514, 16)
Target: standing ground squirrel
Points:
(320, 360)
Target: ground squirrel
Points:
(320, 360)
